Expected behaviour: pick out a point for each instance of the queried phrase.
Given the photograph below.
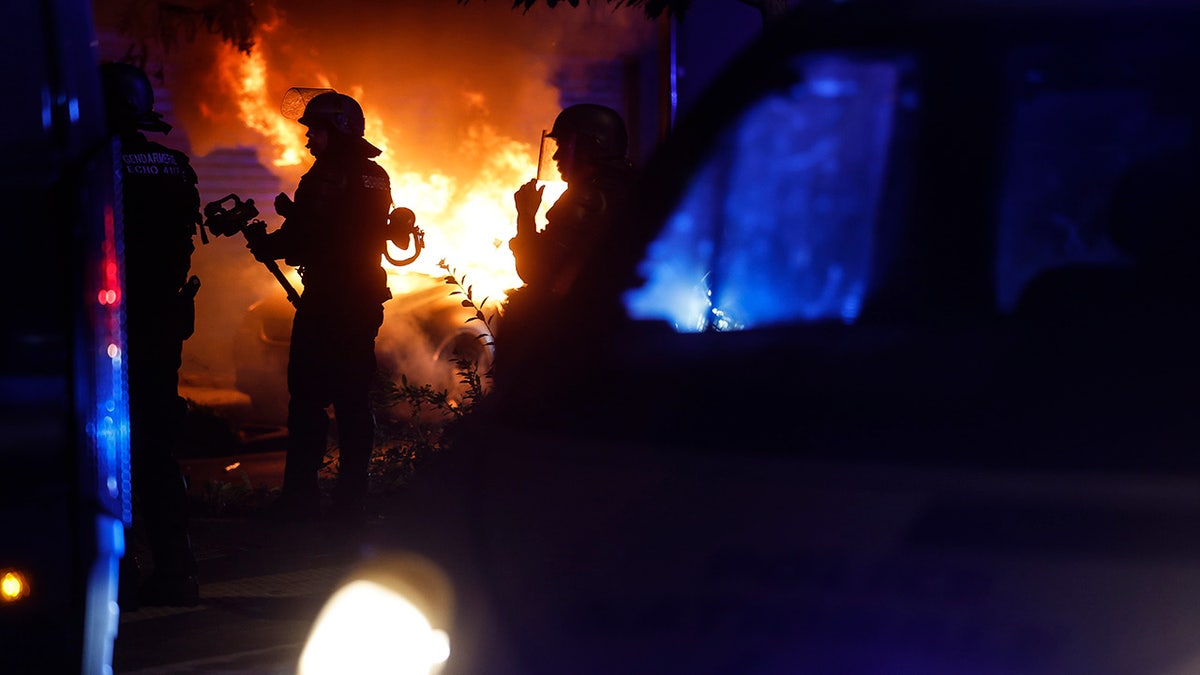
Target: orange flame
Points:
(246, 76)
(467, 219)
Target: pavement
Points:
(1012, 573)
(262, 582)
(932, 569)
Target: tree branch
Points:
(652, 8)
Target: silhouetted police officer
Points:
(592, 146)
(591, 156)
(160, 211)
(334, 232)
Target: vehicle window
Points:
(1081, 120)
(777, 225)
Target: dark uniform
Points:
(538, 329)
(160, 212)
(550, 261)
(335, 233)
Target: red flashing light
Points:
(110, 292)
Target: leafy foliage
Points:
(415, 421)
(652, 8)
(168, 24)
(459, 283)
(432, 414)
(236, 497)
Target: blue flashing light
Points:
(47, 110)
(852, 305)
(103, 615)
(828, 87)
(107, 409)
(777, 226)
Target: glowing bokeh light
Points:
(13, 586)
(368, 628)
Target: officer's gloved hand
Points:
(283, 204)
(260, 247)
(528, 199)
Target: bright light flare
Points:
(367, 627)
(13, 586)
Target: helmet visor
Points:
(296, 99)
(546, 168)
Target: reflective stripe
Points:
(375, 182)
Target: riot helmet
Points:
(324, 107)
(599, 131)
(129, 99)
(339, 112)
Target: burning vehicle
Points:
(431, 329)
(903, 387)
(425, 336)
(456, 170)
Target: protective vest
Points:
(336, 230)
(160, 210)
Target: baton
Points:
(292, 296)
(259, 230)
(537, 174)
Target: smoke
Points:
(456, 95)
